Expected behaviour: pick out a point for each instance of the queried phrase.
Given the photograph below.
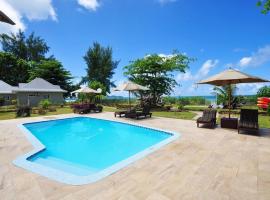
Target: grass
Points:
(264, 121)
(109, 109)
(12, 115)
(175, 115)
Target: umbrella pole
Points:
(129, 100)
(230, 91)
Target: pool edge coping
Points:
(71, 179)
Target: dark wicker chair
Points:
(86, 108)
(122, 113)
(95, 108)
(139, 113)
(248, 120)
(209, 117)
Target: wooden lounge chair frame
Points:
(248, 120)
(209, 117)
(145, 112)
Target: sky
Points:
(218, 34)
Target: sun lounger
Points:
(145, 112)
(86, 108)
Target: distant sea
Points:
(212, 99)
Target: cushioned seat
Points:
(209, 117)
(248, 120)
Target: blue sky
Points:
(219, 34)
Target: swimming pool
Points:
(82, 150)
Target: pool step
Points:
(65, 166)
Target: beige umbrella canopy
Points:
(229, 77)
(5, 18)
(130, 86)
(87, 90)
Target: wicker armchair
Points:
(208, 117)
(248, 120)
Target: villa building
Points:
(32, 93)
(7, 93)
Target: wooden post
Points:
(230, 91)
(129, 100)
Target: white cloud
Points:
(14, 15)
(184, 76)
(32, 10)
(245, 61)
(256, 59)
(89, 4)
(166, 1)
(206, 67)
(249, 88)
(202, 72)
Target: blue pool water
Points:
(84, 146)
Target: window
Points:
(46, 96)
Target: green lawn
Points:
(176, 115)
(11, 115)
(264, 121)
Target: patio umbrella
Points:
(130, 86)
(87, 90)
(229, 77)
(5, 18)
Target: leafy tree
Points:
(52, 71)
(223, 94)
(97, 97)
(32, 48)
(97, 85)
(156, 72)
(12, 69)
(265, 4)
(100, 65)
(264, 92)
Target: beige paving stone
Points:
(202, 164)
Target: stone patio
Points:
(202, 164)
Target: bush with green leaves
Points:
(170, 100)
(45, 103)
(264, 92)
(14, 101)
(2, 101)
(23, 111)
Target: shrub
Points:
(41, 111)
(183, 101)
(23, 111)
(181, 107)
(45, 103)
(2, 101)
(268, 109)
(14, 102)
(52, 109)
(264, 92)
(169, 100)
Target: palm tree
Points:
(224, 93)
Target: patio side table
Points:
(231, 123)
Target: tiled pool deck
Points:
(201, 164)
